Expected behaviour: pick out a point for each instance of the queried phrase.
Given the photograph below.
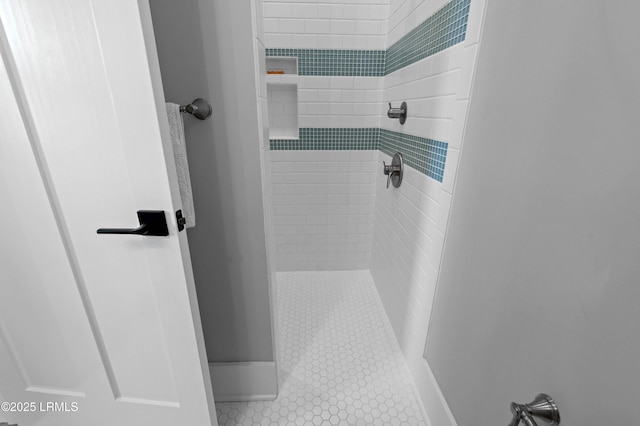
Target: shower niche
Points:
(280, 65)
(283, 110)
(282, 96)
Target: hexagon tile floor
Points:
(341, 364)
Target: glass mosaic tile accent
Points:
(428, 156)
(446, 27)
(325, 139)
(361, 63)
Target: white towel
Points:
(176, 127)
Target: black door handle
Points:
(152, 222)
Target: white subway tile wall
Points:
(336, 101)
(429, 88)
(354, 24)
(405, 15)
(323, 209)
(323, 200)
(408, 228)
(413, 218)
(410, 222)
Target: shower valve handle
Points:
(386, 170)
(389, 170)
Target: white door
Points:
(94, 329)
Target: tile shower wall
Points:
(339, 24)
(410, 222)
(323, 182)
(336, 101)
(342, 88)
(412, 219)
(323, 208)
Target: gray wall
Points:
(206, 50)
(539, 282)
(5, 416)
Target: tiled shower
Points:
(332, 209)
(342, 77)
(332, 69)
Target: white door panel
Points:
(36, 279)
(104, 320)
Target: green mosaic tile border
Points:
(446, 27)
(361, 63)
(428, 156)
(325, 139)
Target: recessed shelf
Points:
(281, 65)
(283, 110)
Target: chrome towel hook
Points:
(199, 108)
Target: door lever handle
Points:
(152, 222)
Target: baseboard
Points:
(435, 405)
(244, 381)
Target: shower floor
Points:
(340, 362)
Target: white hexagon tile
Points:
(340, 362)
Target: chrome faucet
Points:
(542, 407)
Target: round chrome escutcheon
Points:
(397, 165)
